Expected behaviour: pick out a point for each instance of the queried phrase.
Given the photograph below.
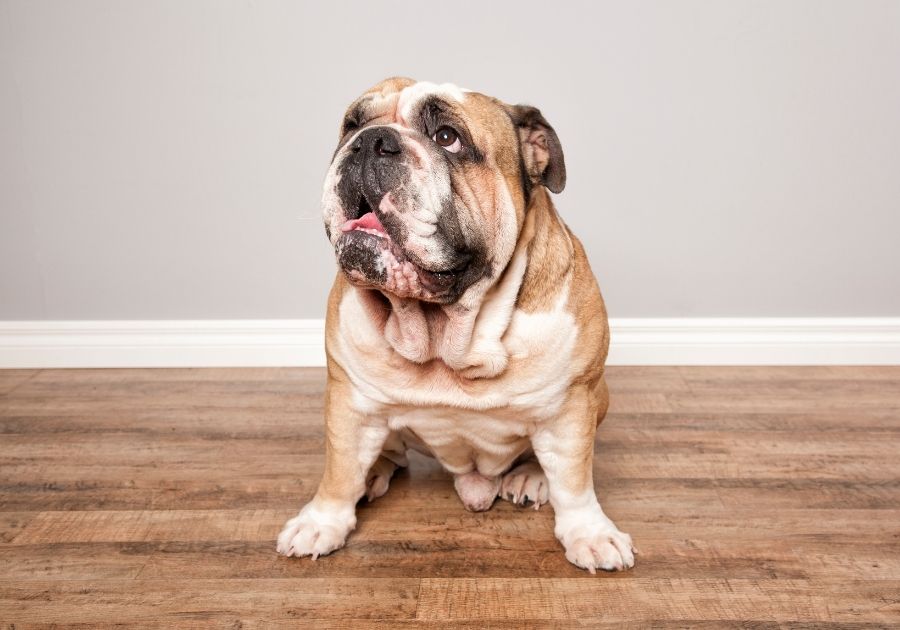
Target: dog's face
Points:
(428, 187)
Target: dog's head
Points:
(428, 187)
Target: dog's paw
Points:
(314, 533)
(606, 548)
(476, 491)
(526, 482)
(379, 478)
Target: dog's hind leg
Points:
(392, 457)
(525, 482)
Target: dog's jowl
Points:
(464, 322)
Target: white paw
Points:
(314, 532)
(605, 548)
(476, 491)
(526, 482)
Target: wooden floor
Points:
(762, 497)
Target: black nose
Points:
(378, 141)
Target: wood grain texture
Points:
(759, 497)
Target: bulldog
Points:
(464, 321)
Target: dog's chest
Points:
(541, 365)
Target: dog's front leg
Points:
(565, 450)
(352, 444)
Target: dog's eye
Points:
(448, 138)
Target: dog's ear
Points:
(541, 151)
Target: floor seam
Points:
(27, 380)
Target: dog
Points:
(464, 321)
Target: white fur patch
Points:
(317, 530)
(410, 96)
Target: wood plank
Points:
(639, 402)
(159, 525)
(645, 378)
(371, 555)
(11, 379)
(509, 526)
(779, 373)
(682, 599)
(134, 601)
(820, 421)
(12, 524)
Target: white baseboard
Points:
(162, 343)
(300, 342)
(756, 341)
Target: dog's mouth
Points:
(371, 257)
(360, 209)
(365, 220)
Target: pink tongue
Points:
(366, 221)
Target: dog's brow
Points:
(358, 116)
(357, 112)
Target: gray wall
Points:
(164, 159)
